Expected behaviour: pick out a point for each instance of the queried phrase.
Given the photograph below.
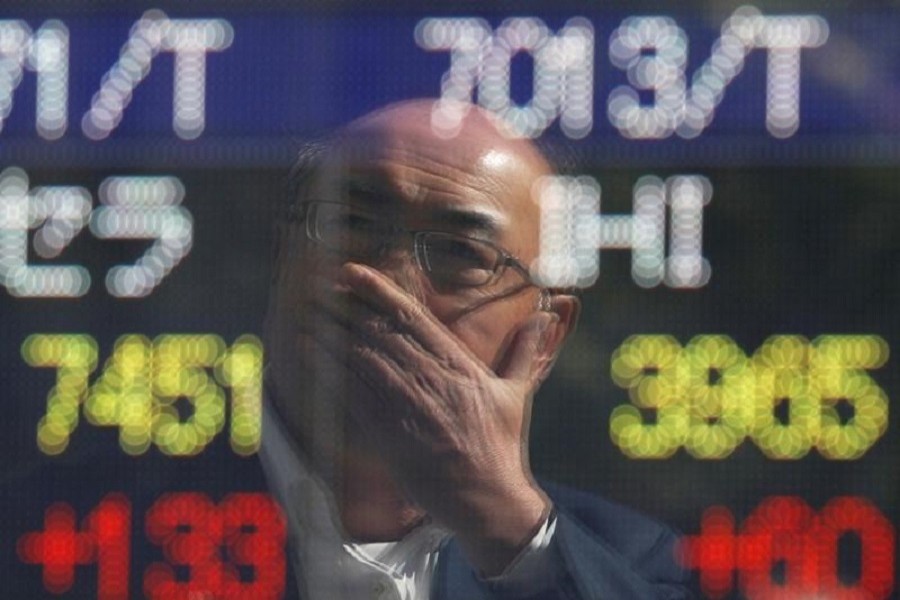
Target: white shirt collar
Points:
(325, 563)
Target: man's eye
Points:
(460, 252)
(465, 262)
(352, 223)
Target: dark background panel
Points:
(801, 235)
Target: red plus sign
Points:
(713, 552)
(59, 547)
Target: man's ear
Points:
(567, 309)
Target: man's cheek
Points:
(327, 375)
(488, 339)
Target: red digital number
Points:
(104, 539)
(192, 531)
(254, 532)
(784, 532)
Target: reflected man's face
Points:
(393, 167)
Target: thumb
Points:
(525, 354)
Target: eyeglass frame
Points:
(505, 258)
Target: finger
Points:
(384, 295)
(350, 311)
(357, 319)
(390, 361)
(524, 355)
(412, 385)
(362, 359)
(362, 327)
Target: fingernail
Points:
(350, 270)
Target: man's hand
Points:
(452, 430)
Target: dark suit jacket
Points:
(609, 552)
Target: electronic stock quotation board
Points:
(729, 215)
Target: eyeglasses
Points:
(448, 258)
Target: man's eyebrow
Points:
(486, 223)
(370, 191)
(482, 222)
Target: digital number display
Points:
(783, 533)
(708, 397)
(141, 382)
(189, 527)
(727, 213)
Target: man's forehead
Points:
(410, 137)
(401, 137)
(410, 123)
(396, 178)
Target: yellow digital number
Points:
(75, 357)
(141, 385)
(708, 397)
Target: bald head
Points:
(474, 128)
